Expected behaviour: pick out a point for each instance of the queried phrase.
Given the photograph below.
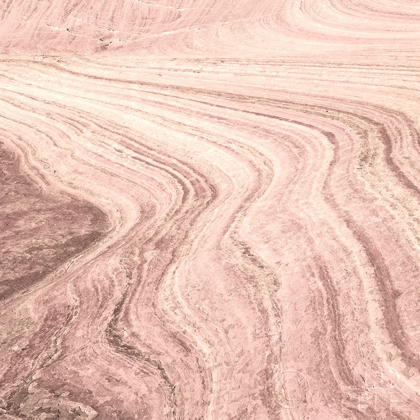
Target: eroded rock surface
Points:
(209, 210)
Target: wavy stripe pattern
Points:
(209, 210)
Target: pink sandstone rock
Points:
(209, 210)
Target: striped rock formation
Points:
(210, 210)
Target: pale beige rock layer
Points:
(210, 210)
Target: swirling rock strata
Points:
(209, 211)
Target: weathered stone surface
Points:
(209, 210)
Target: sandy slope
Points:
(209, 210)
